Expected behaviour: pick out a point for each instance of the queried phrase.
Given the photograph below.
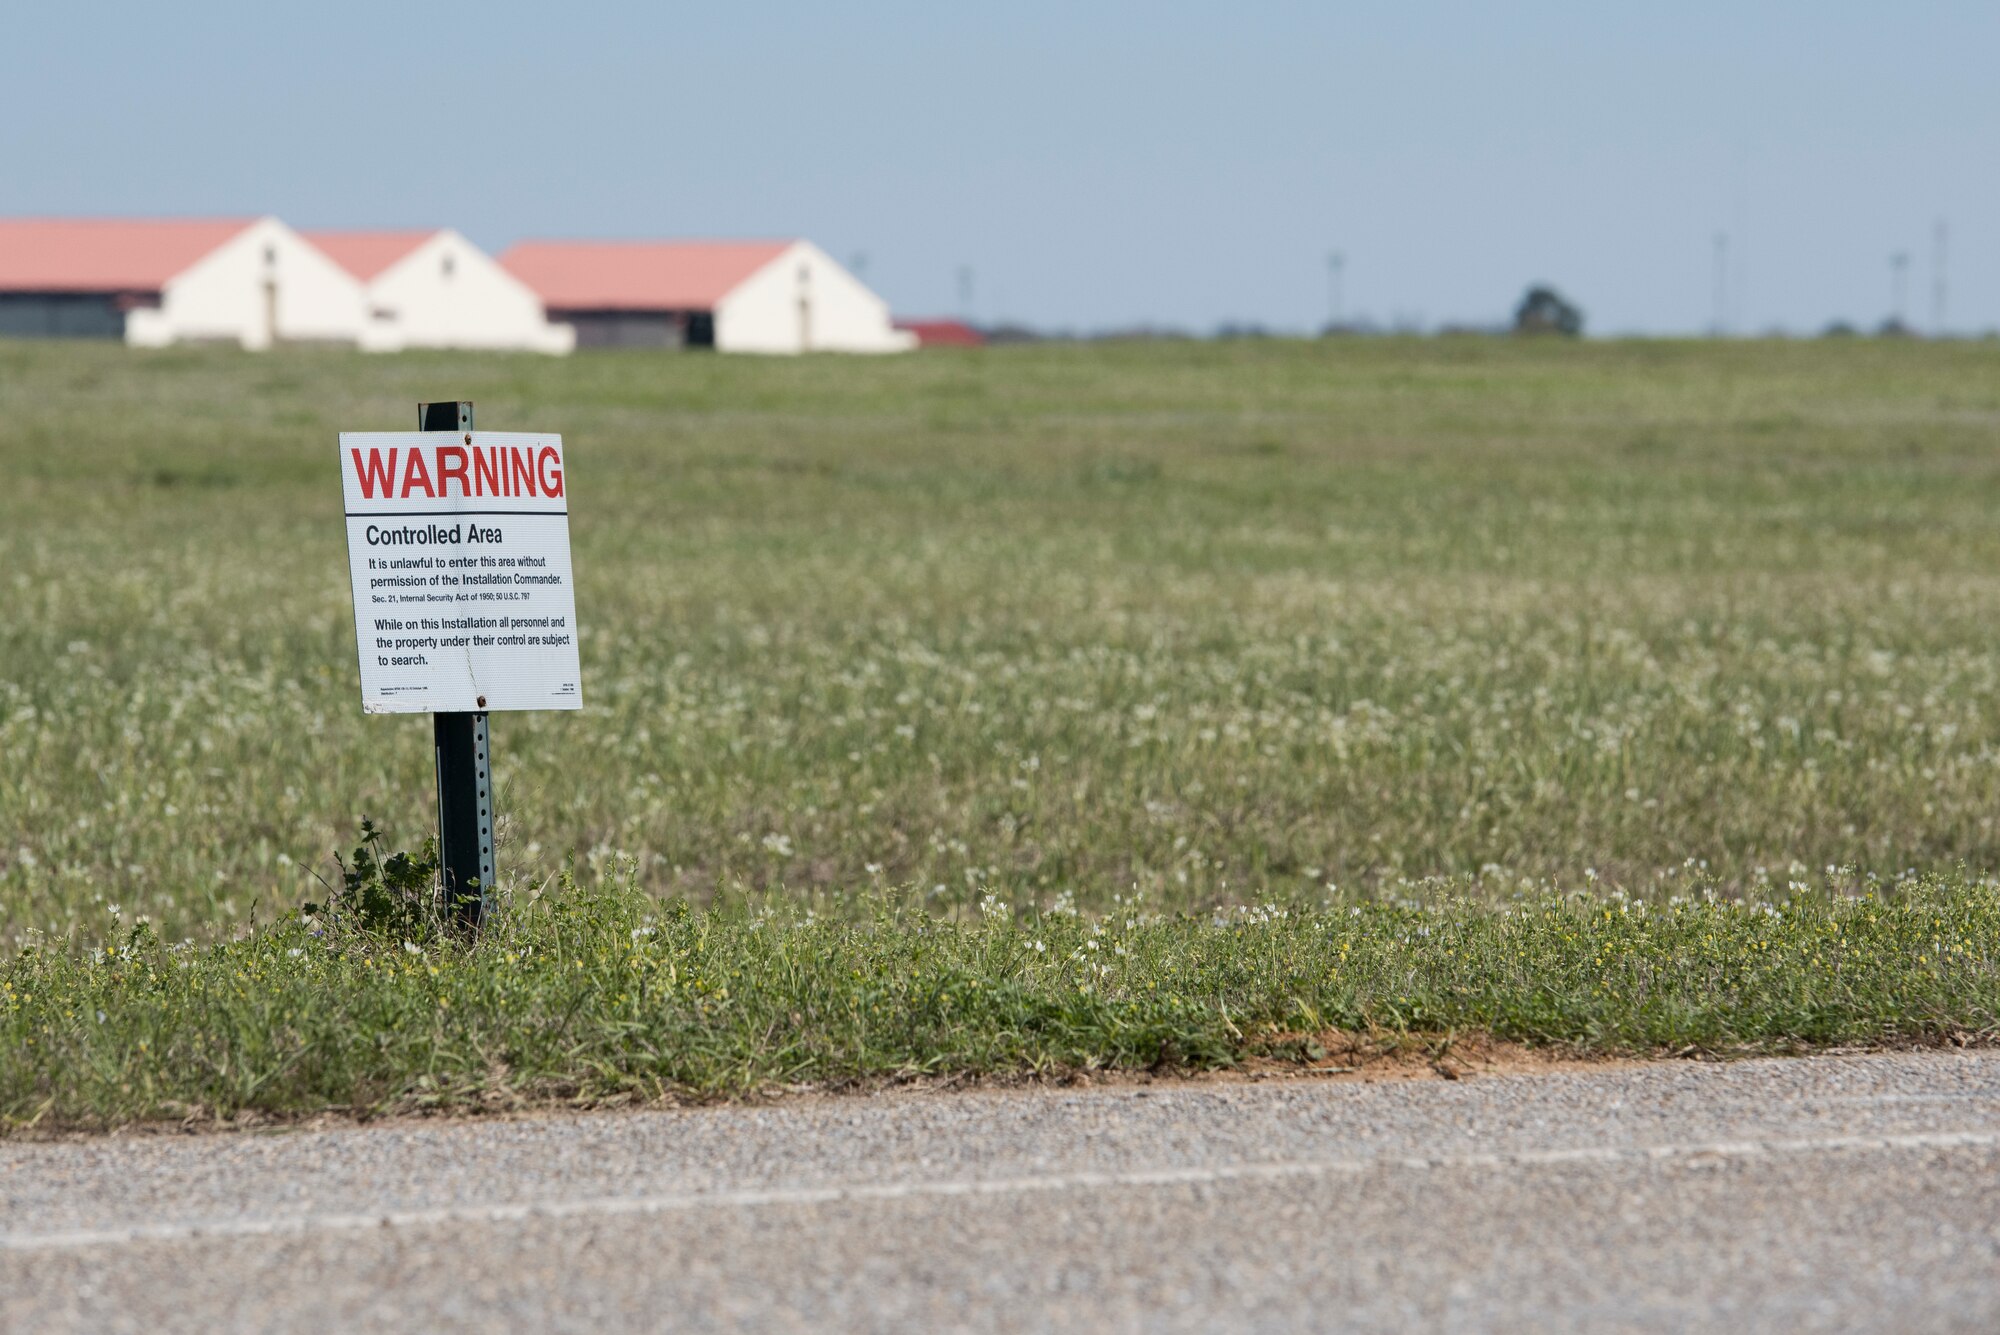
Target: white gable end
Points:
(803, 301)
(448, 293)
(266, 284)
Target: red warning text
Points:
(492, 471)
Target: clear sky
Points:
(1094, 164)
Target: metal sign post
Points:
(464, 766)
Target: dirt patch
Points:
(1342, 1057)
(1345, 1056)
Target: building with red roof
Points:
(151, 282)
(435, 289)
(943, 333)
(256, 282)
(736, 296)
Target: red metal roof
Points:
(366, 254)
(104, 254)
(637, 275)
(943, 333)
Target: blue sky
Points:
(1094, 164)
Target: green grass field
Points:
(1184, 626)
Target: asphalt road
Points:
(1826, 1193)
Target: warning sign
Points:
(458, 543)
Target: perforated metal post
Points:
(464, 766)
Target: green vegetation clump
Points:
(605, 994)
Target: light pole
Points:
(1937, 280)
(1721, 324)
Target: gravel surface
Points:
(1815, 1193)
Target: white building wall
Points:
(266, 282)
(803, 301)
(448, 293)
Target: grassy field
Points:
(1184, 626)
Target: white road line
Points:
(758, 1197)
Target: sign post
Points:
(458, 545)
(464, 765)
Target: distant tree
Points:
(1838, 329)
(1018, 333)
(1144, 333)
(1359, 326)
(1544, 311)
